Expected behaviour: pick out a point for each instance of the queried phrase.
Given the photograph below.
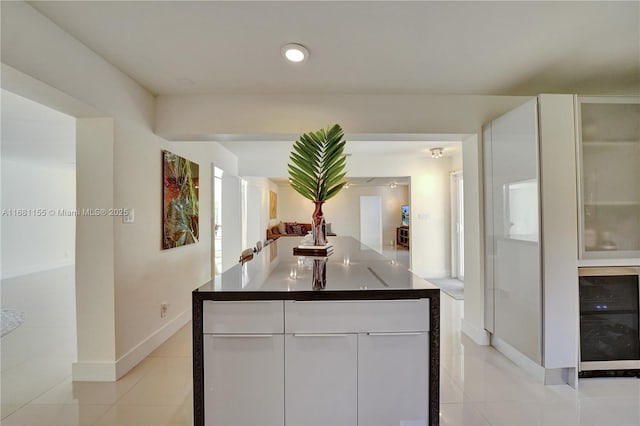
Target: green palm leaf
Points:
(317, 163)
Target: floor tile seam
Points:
(45, 391)
(469, 399)
(135, 404)
(144, 405)
(614, 397)
(476, 410)
(104, 413)
(180, 376)
(20, 407)
(114, 406)
(170, 356)
(143, 374)
(70, 404)
(5, 371)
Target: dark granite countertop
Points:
(353, 271)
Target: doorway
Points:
(38, 249)
(371, 221)
(457, 225)
(226, 241)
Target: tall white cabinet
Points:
(531, 236)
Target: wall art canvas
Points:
(273, 205)
(180, 201)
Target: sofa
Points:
(288, 229)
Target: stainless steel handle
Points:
(320, 335)
(358, 301)
(398, 333)
(236, 336)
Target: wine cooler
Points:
(609, 321)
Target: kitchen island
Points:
(352, 339)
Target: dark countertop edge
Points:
(317, 294)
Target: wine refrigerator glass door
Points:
(609, 318)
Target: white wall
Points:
(343, 210)
(456, 160)
(143, 274)
(197, 117)
(473, 324)
(37, 243)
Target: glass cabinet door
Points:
(609, 131)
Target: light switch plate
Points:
(129, 217)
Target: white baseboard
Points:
(479, 335)
(129, 360)
(532, 368)
(32, 269)
(110, 372)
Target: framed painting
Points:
(273, 205)
(180, 185)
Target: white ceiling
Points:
(490, 48)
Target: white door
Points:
(321, 379)
(244, 379)
(371, 221)
(393, 378)
(231, 220)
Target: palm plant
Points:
(317, 164)
(317, 172)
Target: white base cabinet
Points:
(393, 378)
(328, 363)
(244, 379)
(321, 381)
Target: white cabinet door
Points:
(393, 379)
(321, 379)
(244, 379)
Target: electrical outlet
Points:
(164, 308)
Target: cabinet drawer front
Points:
(356, 316)
(243, 317)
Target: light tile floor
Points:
(38, 354)
(479, 386)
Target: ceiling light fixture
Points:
(392, 185)
(295, 52)
(437, 152)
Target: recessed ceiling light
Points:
(295, 52)
(437, 152)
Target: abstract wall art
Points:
(180, 185)
(273, 205)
